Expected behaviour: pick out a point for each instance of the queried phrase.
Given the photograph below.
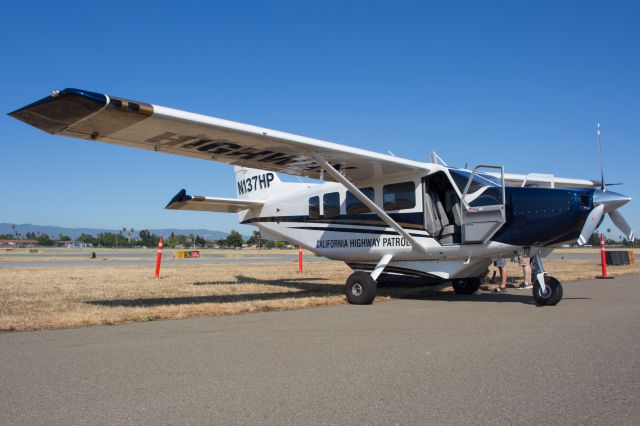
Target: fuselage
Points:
(326, 219)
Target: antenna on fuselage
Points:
(603, 186)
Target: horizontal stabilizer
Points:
(182, 201)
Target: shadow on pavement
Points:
(310, 287)
(306, 287)
(480, 296)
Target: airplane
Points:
(386, 217)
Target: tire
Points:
(466, 285)
(360, 288)
(554, 292)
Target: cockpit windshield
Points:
(484, 190)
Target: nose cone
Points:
(610, 200)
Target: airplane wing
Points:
(95, 116)
(182, 201)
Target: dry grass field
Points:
(33, 298)
(60, 297)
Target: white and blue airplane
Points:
(385, 217)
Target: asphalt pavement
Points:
(447, 359)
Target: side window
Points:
(355, 206)
(314, 208)
(399, 196)
(331, 204)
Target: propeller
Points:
(605, 202)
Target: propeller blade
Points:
(591, 224)
(621, 224)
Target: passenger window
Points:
(399, 196)
(314, 208)
(355, 206)
(331, 204)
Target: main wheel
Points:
(466, 285)
(360, 288)
(553, 291)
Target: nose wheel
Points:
(550, 295)
(547, 291)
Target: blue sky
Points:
(515, 83)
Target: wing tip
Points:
(177, 199)
(59, 110)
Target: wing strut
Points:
(365, 200)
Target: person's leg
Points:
(526, 269)
(503, 277)
(502, 267)
(527, 273)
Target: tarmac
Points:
(447, 359)
(140, 257)
(146, 258)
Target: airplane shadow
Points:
(306, 287)
(310, 287)
(480, 296)
(522, 296)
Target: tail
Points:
(254, 184)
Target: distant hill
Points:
(73, 233)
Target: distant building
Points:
(18, 243)
(73, 244)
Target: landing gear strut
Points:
(546, 289)
(466, 285)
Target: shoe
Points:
(525, 286)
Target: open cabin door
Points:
(483, 204)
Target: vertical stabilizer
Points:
(254, 184)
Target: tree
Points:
(147, 238)
(62, 237)
(594, 239)
(44, 240)
(234, 239)
(255, 239)
(89, 239)
(106, 239)
(268, 244)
